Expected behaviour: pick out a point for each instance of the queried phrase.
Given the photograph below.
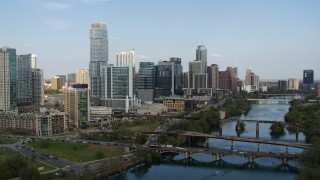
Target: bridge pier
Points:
(258, 149)
(297, 136)
(257, 130)
(207, 142)
(231, 145)
(187, 155)
(286, 149)
(189, 141)
(218, 156)
(220, 127)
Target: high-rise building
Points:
(119, 87)
(8, 79)
(37, 93)
(82, 76)
(56, 83)
(251, 82)
(308, 81)
(293, 83)
(213, 76)
(76, 104)
(228, 80)
(71, 78)
(146, 81)
(25, 64)
(282, 85)
(167, 71)
(201, 55)
(195, 67)
(98, 58)
(126, 59)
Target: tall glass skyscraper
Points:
(8, 79)
(98, 58)
(201, 55)
(308, 79)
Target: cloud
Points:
(215, 55)
(57, 24)
(142, 57)
(56, 6)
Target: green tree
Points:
(30, 173)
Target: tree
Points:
(30, 173)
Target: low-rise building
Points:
(43, 123)
(152, 109)
(178, 104)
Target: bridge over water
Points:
(284, 158)
(190, 134)
(271, 101)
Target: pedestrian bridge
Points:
(284, 158)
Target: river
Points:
(267, 166)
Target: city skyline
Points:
(278, 40)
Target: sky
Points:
(277, 39)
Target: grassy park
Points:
(77, 152)
(8, 140)
(6, 153)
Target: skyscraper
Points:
(25, 64)
(76, 104)
(228, 80)
(293, 83)
(126, 59)
(251, 82)
(98, 58)
(282, 85)
(213, 76)
(146, 81)
(308, 81)
(167, 71)
(37, 93)
(201, 55)
(8, 79)
(82, 76)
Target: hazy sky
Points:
(277, 39)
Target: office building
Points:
(228, 80)
(98, 58)
(251, 82)
(82, 76)
(71, 78)
(282, 85)
(146, 81)
(167, 71)
(126, 59)
(293, 83)
(308, 79)
(213, 76)
(76, 104)
(8, 79)
(119, 88)
(201, 55)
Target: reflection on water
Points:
(225, 171)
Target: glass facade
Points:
(98, 58)
(8, 79)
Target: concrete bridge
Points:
(271, 101)
(284, 158)
(190, 134)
